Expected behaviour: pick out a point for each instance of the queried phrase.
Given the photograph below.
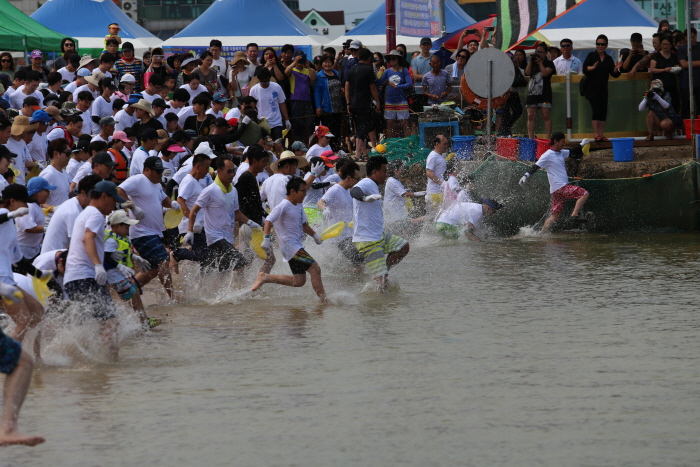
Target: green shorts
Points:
(375, 252)
(447, 230)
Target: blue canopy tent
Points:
(372, 30)
(87, 21)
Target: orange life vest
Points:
(122, 168)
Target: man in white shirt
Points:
(85, 100)
(152, 92)
(220, 64)
(274, 189)
(149, 139)
(125, 117)
(59, 153)
(147, 194)
(29, 89)
(37, 146)
(271, 103)
(435, 167)
(16, 144)
(559, 189)
(566, 61)
(465, 214)
(85, 279)
(381, 250)
(106, 126)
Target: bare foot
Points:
(8, 439)
(259, 281)
(174, 265)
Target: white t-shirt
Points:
(24, 282)
(553, 162)
(368, 217)
(149, 197)
(219, 213)
(3, 184)
(67, 75)
(10, 252)
(137, 160)
(84, 87)
(19, 148)
(72, 168)
(183, 114)
(338, 208)
(124, 120)
(233, 113)
(316, 151)
(313, 195)
(89, 128)
(102, 107)
(394, 203)
(288, 220)
(83, 171)
(462, 214)
(78, 264)
(57, 133)
(97, 137)
(189, 190)
(438, 165)
(37, 147)
(150, 98)
(221, 67)
(194, 92)
(215, 114)
(268, 102)
(30, 243)
(60, 228)
(46, 261)
(60, 180)
(274, 189)
(17, 98)
(71, 87)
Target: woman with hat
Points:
(188, 65)
(660, 115)
(321, 142)
(241, 75)
(16, 144)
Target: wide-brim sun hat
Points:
(286, 155)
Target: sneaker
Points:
(153, 322)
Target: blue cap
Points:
(40, 116)
(84, 72)
(36, 184)
(134, 98)
(219, 97)
(493, 204)
(108, 187)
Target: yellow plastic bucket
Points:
(41, 289)
(256, 240)
(172, 218)
(333, 231)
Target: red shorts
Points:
(564, 193)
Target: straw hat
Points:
(143, 104)
(237, 57)
(54, 112)
(21, 124)
(87, 59)
(95, 78)
(301, 160)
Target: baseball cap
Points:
(108, 121)
(74, 60)
(128, 78)
(323, 131)
(36, 184)
(204, 148)
(426, 40)
(298, 146)
(127, 46)
(134, 99)
(108, 83)
(15, 191)
(81, 145)
(36, 53)
(316, 160)
(175, 148)
(120, 136)
(50, 99)
(103, 158)
(219, 97)
(40, 116)
(493, 204)
(556, 136)
(159, 103)
(355, 44)
(32, 102)
(149, 133)
(6, 153)
(120, 217)
(330, 155)
(232, 121)
(108, 188)
(154, 163)
(84, 72)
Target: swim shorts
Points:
(375, 252)
(301, 262)
(10, 351)
(95, 297)
(226, 255)
(151, 249)
(447, 230)
(396, 111)
(564, 193)
(125, 288)
(347, 248)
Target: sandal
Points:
(650, 137)
(603, 139)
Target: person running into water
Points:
(290, 222)
(560, 190)
(381, 250)
(465, 214)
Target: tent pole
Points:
(568, 106)
(690, 80)
(488, 105)
(443, 27)
(390, 26)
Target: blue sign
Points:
(418, 18)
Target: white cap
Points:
(204, 148)
(120, 217)
(128, 78)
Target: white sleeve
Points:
(276, 213)
(111, 245)
(203, 199)
(643, 104)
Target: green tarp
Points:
(16, 28)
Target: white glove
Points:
(166, 175)
(246, 120)
(317, 239)
(141, 263)
(253, 225)
(372, 198)
(266, 243)
(45, 274)
(126, 270)
(675, 69)
(332, 183)
(288, 124)
(584, 142)
(126, 205)
(138, 213)
(419, 194)
(317, 168)
(524, 179)
(10, 293)
(19, 212)
(175, 205)
(100, 275)
(198, 228)
(188, 239)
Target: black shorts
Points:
(362, 117)
(10, 351)
(347, 248)
(96, 298)
(226, 256)
(301, 262)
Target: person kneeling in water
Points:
(466, 214)
(559, 188)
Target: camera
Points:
(489, 28)
(471, 31)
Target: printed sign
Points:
(418, 18)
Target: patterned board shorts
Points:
(564, 193)
(447, 230)
(151, 249)
(125, 288)
(301, 262)
(10, 351)
(396, 111)
(375, 252)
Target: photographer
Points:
(661, 115)
(539, 91)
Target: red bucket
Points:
(542, 147)
(507, 147)
(696, 123)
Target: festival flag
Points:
(519, 19)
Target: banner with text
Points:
(418, 18)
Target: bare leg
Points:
(165, 278)
(144, 277)
(652, 122)
(269, 262)
(547, 121)
(550, 220)
(297, 280)
(601, 127)
(382, 283)
(174, 266)
(406, 128)
(391, 129)
(26, 314)
(108, 329)
(316, 282)
(360, 147)
(579, 204)
(16, 386)
(594, 124)
(395, 258)
(531, 114)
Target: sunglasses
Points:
(565, 46)
(6, 60)
(230, 171)
(68, 44)
(462, 56)
(600, 44)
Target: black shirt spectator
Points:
(249, 197)
(361, 77)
